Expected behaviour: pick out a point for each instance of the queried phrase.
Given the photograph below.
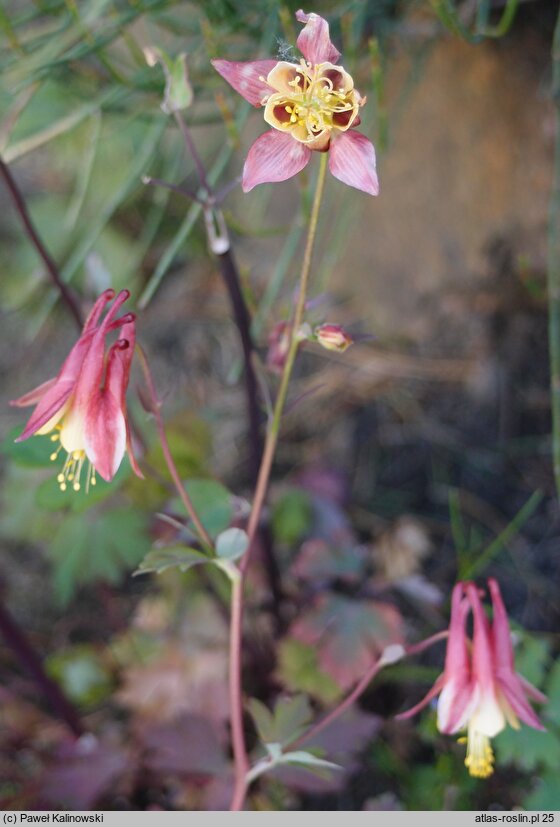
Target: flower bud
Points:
(178, 90)
(278, 347)
(333, 337)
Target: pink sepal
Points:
(273, 157)
(352, 161)
(55, 393)
(105, 434)
(456, 704)
(246, 77)
(118, 374)
(34, 396)
(532, 691)
(314, 41)
(512, 689)
(105, 430)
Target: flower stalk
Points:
(203, 535)
(21, 208)
(236, 693)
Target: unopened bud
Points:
(178, 90)
(333, 337)
(278, 347)
(392, 654)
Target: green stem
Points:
(241, 761)
(554, 267)
(274, 427)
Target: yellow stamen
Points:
(480, 757)
(72, 471)
(314, 103)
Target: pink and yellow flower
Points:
(311, 106)
(333, 337)
(84, 406)
(479, 690)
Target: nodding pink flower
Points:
(311, 106)
(480, 690)
(84, 405)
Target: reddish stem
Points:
(156, 411)
(339, 710)
(240, 757)
(33, 235)
(30, 660)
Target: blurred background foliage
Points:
(420, 457)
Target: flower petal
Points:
(118, 373)
(105, 434)
(97, 309)
(314, 41)
(247, 77)
(483, 663)
(456, 703)
(514, 693)
(501, 635)
(273, 157)
(91, 370)
(352, 161)
(488, 718)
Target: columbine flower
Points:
(333, 337)
(499, 693)
(84, 405)
(311, 105)
(479, 689)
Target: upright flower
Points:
(480, 690)
(311, 105)
(333, 337)
(84, 406)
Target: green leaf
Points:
(81, 673)
(180, 557)
(546, 795)
(348, 633)
(308, 760)
(51, 498)
(264, 720)
(32, 453)
(92, 547)
(531, 658)
(299, 671)
(213, 504)
(291, 516)
(552, 709)
(232, 544)
(288, 720)
(528, 748)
